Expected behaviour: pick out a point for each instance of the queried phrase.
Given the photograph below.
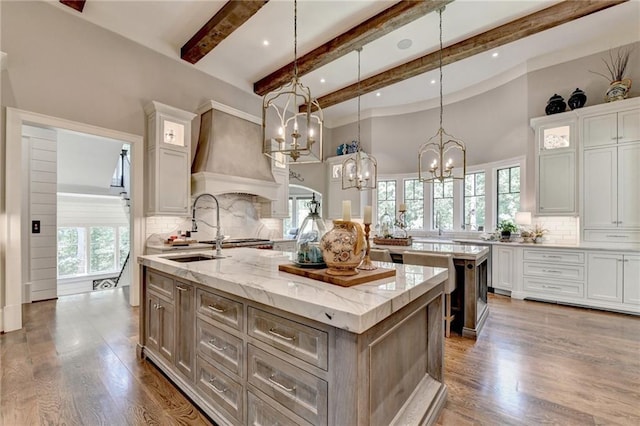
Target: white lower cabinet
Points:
(614, 277)
(556, 275)
(505, 265)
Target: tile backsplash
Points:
(562, 229)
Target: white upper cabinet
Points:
(168, 170)
(613, 127)
(556, 188)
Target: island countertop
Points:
(253, 274)
(459, 251)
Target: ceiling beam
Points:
(388, 20)
(228, 19)
(74, 4)
(542, 20)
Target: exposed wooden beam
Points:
(228, 19)
(388, 20)
(74, 4)
(545, 19)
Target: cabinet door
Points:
(160, 326)
(185, 303)
(629, 126)
(604, 277)
(153, 323)
(280, 207)
(631, 290)
(628, 191)
(503, 268)
(557, 183)
(334, 200)
(173, 182)
(600, 130)
(600, 188)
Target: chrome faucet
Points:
(194, 225)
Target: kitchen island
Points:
(471, 280)
(252, 345)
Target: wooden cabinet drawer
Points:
(612, 236)
(299, 391)
(259, 412)
(221, 309)
(555, 256)
(551, 287)
(221, 389)
(558, 271)
(220, 346)
(160, 283)
(303, 342)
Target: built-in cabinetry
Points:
(555, 160)
(505, 267)
(168, 176)
(279, 208)
(335, 194)
(611, 153)
(587, 277)
(243, 362)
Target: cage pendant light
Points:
(443, 156)
(288, 133)
(361, 170)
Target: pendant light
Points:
(443, 156)
(287, 132)
(361, 170)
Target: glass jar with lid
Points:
(308, 253)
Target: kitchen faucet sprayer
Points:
(194, 225)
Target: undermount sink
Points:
(185, 258)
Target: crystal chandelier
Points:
(361, 170)
(431, 155)
(285, 130)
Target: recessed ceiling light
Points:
(322, 80)
(404, 44)
(265, 42)
(494, 54)
(378, 94)
(433, 82)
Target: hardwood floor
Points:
(74, 363)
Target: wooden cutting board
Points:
(180, 242)
(321, 275)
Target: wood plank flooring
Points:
(74, 363)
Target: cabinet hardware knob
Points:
(282, 336)
(217, 309)
(182, 288)
(272, 379)
(212, 342)
(217, 389)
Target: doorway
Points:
(17, 199)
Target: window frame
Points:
(497, 219)
(475, 195)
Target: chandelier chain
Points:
(295, 38)
(359, 50)
(440, 66)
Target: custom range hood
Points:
(228, 157)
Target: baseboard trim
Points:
(11, 318)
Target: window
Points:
(414, 201)
(474, 207)
(443, 204)
(92, 250)
(508, 193)
(299, 210)
(387, 198)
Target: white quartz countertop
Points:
(582, 246)
(459, 251)
(253, 274)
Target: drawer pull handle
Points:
(551, 287)
(551, 271)
(182, 288)
(617, 236)
(157, 306)
(282, 336)
(214, 308)
(212, 342)
(551, 256)
(217, 389)
(273, 380)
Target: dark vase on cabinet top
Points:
(577, 100)
(555, 105)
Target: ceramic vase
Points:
(555, 105)
(577, 100)
(343, 248)
(618, 90)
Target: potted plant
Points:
(537, 233)
(506, 227)
(619, 86)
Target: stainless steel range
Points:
(243, 242)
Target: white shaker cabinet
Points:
(614, 127)
(505, 265)
(614, 277)
(168, 175)
(631, 284)
(556, 164)
(280, 207)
